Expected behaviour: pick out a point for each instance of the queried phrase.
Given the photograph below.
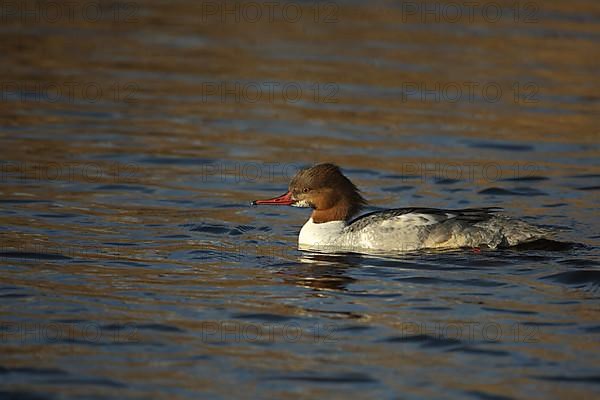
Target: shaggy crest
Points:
(329, 176)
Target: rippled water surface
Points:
(132, 143)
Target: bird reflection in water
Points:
(322, 271)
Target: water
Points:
(132, 265)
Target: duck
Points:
(333, 226)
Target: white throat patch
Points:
(301, 203)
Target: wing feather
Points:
(420, 216)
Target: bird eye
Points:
(305, 190)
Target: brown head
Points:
(326, 190)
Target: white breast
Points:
(320, 235)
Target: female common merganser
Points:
(334, 200)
